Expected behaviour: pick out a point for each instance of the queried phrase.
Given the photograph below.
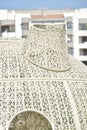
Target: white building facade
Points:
(12, 23)
(76, 33)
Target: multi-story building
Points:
(16, 24)
(12, 23)
(77, 33)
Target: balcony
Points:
(7, 22)
(82, 33)
(83, 41)
(83, 58)
(8, 31)
(8, 34)
(83, 54)
(82, 29)
(83, 45)
(69, 31)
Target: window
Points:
(83, 52)
(4, 28)
(70, 50)
(8, 28)
(69, 38)
(24, 36)
(69, 25)
(82, 26)
(85, 62)
(83, 39)
(25, 26)
(12, 28)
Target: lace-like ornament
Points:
(46, 47)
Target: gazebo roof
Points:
(57, 90)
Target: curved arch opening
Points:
(29, 120)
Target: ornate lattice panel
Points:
(79, 92)
(47, 97)
(43, 47)
(61, 97)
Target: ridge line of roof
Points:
(43, 79)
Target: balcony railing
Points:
(7, 22)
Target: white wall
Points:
(3, 14)
(76, 35)
(18, 22)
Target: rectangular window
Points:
(85, 62)
(8, 28)
(83, 39)
(70, 50)
(24, 36)
(69, 25)
(69, 38)
(83, 52)
(12, 28)
(25, 26)
(82, 26)
(4, 28)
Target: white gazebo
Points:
(42, 87)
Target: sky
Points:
(41, 4)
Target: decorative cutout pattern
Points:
(48, 97)
(14, 65)
(79, 92)
(46, 48)
(25, 86)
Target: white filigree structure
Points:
(47, 48)
(40, 83)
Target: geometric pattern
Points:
(46, 48)
(58, 98)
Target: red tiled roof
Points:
(50, 16)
